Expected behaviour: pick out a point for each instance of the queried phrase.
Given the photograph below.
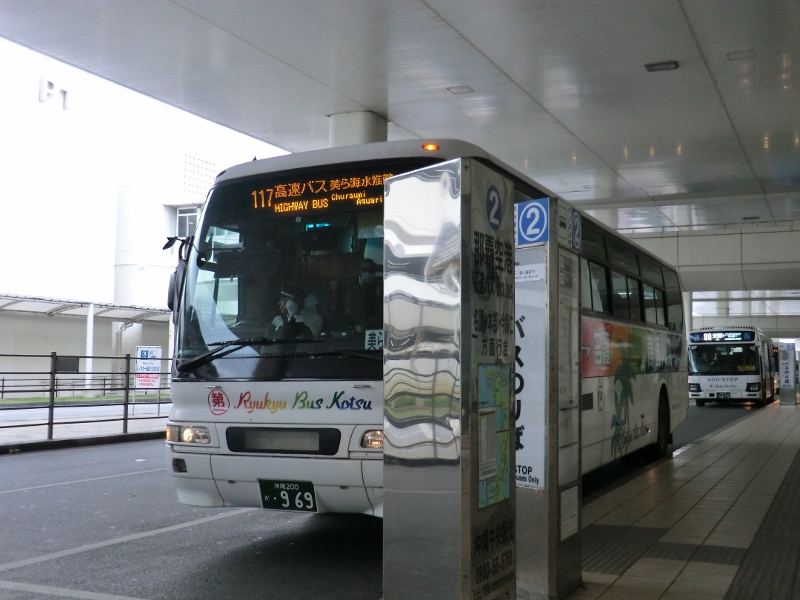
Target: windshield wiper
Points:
(353, 353)
(222, 348)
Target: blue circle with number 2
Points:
(493, 208)
(532, 223)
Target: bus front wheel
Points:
(700, 402)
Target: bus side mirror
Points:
(176, 278)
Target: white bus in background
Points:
(287, 412)
(731, 364)
(633, 364)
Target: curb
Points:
(80, 442)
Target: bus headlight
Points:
(754, 387)
(694, 387)
(188, 435)
(372, 439)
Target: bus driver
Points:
(289, 325)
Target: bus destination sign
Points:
(722, 336)
(361, 189)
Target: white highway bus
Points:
(731, 364)
(277, 384)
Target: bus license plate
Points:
(288, 495)
(724, 395)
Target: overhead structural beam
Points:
(730, 259)
(753, 299)
(776, 326)
(364, 127)
(144, 316)
(63, 308)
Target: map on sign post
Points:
(494, 389)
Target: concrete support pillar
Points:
(757, 307)
(347, 129)
(687, 311)
(724, 305)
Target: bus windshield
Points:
(282, 290)
(724, 359)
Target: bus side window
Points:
(653, 305)
(661, 308)
(586, 286)
(623, 256)
(651, 272)
(619, 296)
(674, 301)
(599, 279)
(594, 289)
(634, 299)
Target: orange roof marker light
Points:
(430, 146)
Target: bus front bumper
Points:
(725, 396)
(344, 485)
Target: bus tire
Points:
(700, 402)
(659, 449)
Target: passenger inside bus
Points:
(371, 282)
(312, 319)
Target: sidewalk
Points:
(21, 436)
(717, 521)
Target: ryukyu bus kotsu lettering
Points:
(219, 403)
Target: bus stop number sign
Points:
(531, 221)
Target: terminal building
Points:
(96, 177)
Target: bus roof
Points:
(448, 149)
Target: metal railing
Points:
(57, 383)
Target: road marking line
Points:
(120, 540)
(47, 485)
(62, 592)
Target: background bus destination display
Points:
(722, 336)
(319, 193)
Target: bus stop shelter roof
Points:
(75, 308)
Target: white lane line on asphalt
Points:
(60, 592)
(47, 485)
(120, 540)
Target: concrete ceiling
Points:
(556, 88)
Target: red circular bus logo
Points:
(218, 402)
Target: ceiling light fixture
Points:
(460, 89)
(741, 54)
(667, 65)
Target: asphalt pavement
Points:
(103, 522)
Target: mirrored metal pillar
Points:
(449, 516)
